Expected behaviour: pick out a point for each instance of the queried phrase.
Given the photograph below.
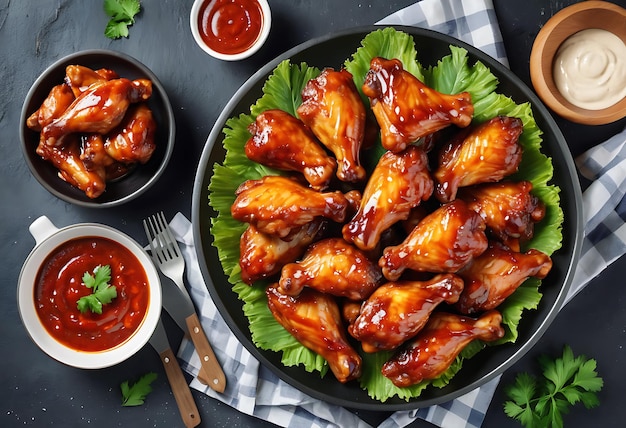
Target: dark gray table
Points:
(37, 391)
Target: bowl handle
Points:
(41, 229)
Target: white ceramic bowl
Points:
(48, 238)
(265, 30)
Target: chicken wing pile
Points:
(94, 127)
(413, 257)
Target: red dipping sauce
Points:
(230, 26)
(59, 285)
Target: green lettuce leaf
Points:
(282, 90)
(386, 43)
(452, 75)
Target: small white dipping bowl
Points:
(195, 31)
(48, 238)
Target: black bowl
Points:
(331, 51)
(141, 177)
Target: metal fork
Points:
(167, 256)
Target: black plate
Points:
(142, 176)
(332, 51)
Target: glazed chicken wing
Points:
(487, 153)
(79, 77)
(350, 310)
(96, 159)
(333, 109)
(262, 255)
(332, 266)
(496, 274)
(71, 168)
(281, 141)
(314, 319)
(509, 209)
(444, 241)
(397, 311)
(276, 205)
(398, 184)
(57, 101)
(354, 198)
(406, 109)
(133, 139)
(93, 154)
(438, 344)
(99, 109)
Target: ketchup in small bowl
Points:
(230, 29)
(54, 278)
(59, 286)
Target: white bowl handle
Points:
(41, 229)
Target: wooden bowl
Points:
(580, 16)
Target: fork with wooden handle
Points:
(167, 256)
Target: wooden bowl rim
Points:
(542, 55)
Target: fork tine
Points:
(152, 237)
(166, 232)
(163, 245)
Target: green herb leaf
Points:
(566, 381)
(89, 303)
(102, 276)
(101, 292)
(135, 395)
(523, 390)
(122, 13)
(116, 29)
(106, 294)
(586, 377)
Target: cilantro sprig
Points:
(122, 13)
(566, 381)
(136, 394)
(101, 291)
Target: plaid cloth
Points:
(604, 209)
(473, 21)
(255, 390)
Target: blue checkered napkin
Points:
(466, 411)
(473, 21)
(604, 209)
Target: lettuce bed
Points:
(452, 74)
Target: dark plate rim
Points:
(575, 224)
(167, 113)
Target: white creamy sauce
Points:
(590, 69)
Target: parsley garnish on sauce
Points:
(122, 13)
(566, 381)
(136, 394)
(101, 291)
